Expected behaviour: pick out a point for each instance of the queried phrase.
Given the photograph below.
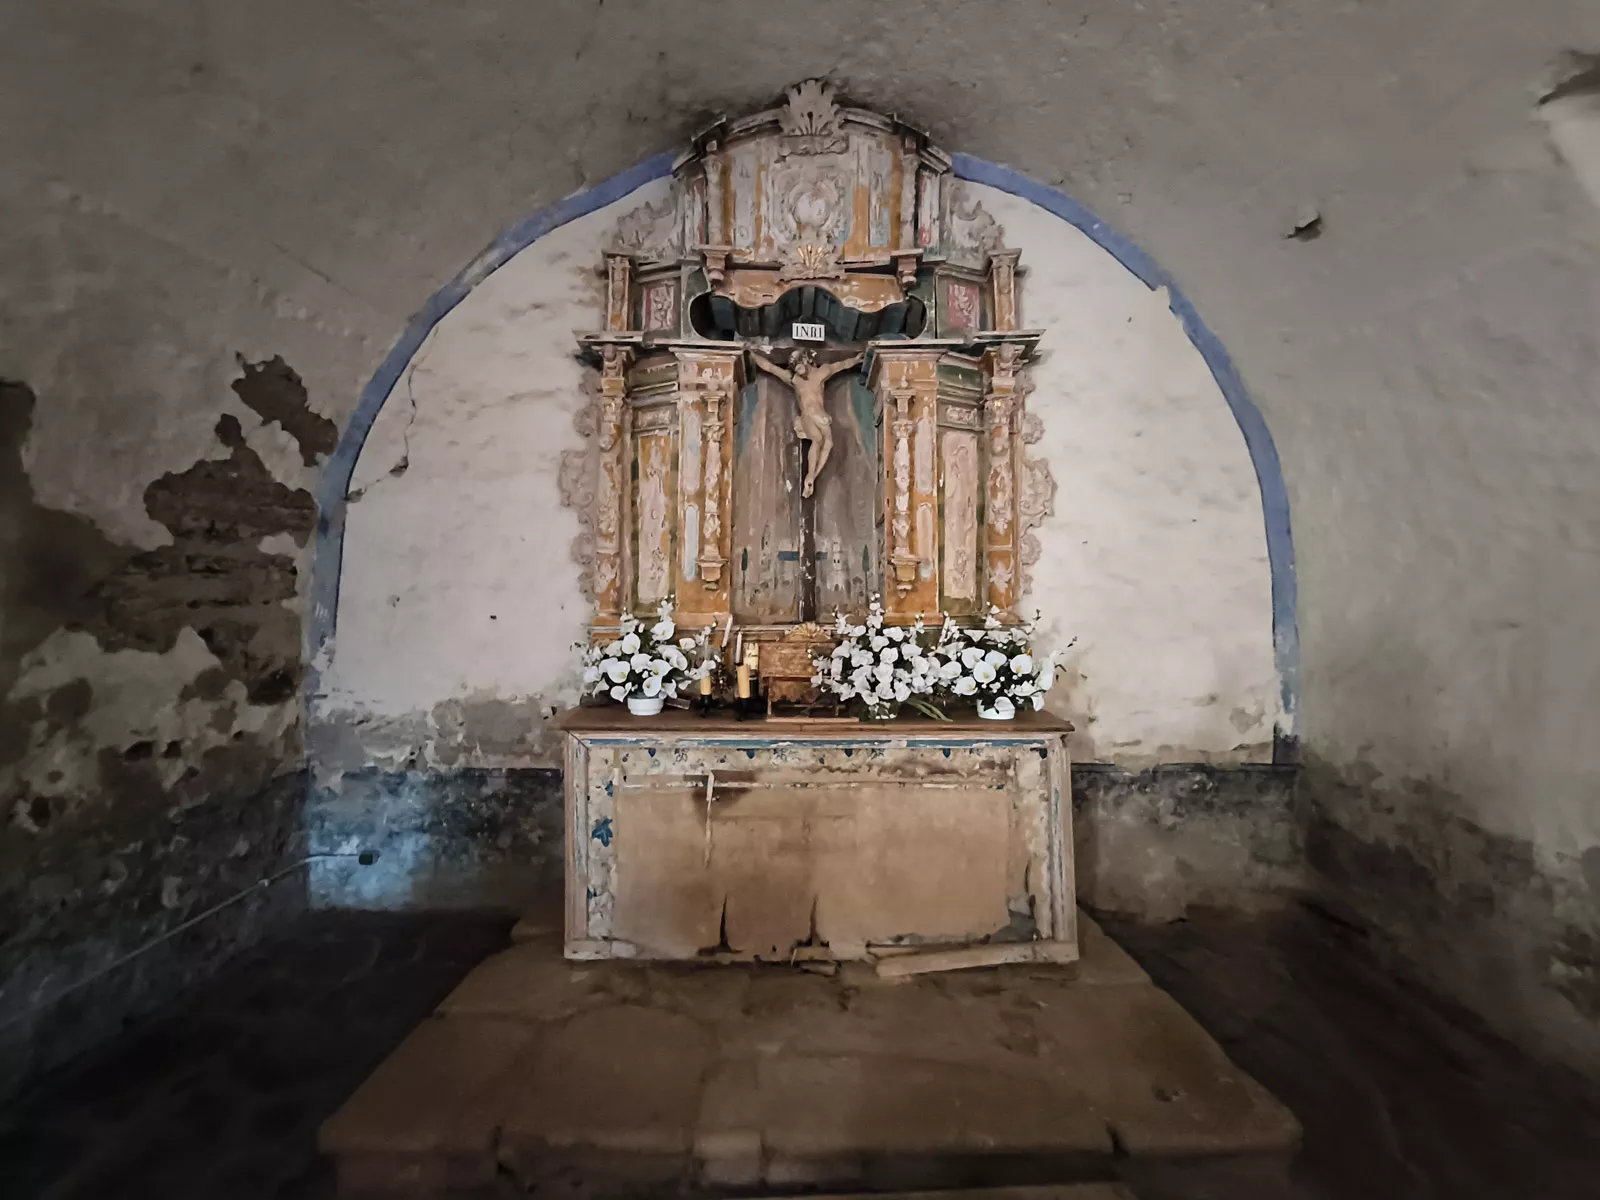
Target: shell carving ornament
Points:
(810, 121)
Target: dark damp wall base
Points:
(153, 908)
(1149, 843)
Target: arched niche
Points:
(448, 573)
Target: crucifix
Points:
(814, 428)
(812, 423)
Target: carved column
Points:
(1003, 288)
(712, 558)
(902, 561)
(619, 291)
(715, 251)
(1000, 498)
(716, 197)
(708, 381)
(927, 208)
(611, 485)
(908, 381)
(908, 193)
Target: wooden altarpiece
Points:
(812, 258)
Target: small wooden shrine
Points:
(811, 385)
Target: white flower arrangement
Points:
(994, 665)
(643, 661)
(880, 666)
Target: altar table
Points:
(713, 839)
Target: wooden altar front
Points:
(718, 840)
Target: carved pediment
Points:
(810, 120)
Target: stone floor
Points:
(634, 1077)
(1399, 1096)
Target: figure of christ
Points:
(812, 424)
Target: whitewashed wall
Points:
(459, 604)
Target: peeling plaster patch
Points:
(476, 731)
(149, 702)
(51, 559)
(214, 577)
(281, 455)
(277, 394)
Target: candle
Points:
(738, 648)
(705, 684)
(744, 682)
(726, 630)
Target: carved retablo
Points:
(770, 481)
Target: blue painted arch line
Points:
(335, 483)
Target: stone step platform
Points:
(618, 1077)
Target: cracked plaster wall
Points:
(192, 181)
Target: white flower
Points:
(613, 648)
(995, 658)
(1047, 675)
(983, 672)
(901, 692)
(662, 631)
(885, 691)
(896, 634)
(629, 644)
(1023, 689)
(878, 642)
(651, 685)
(619, 692)
(971, 656)
(857, 630)
(860, 658)
(837, 670)
(889, 655)
(617, 670)
(659, 666)
(591, 675)
(1022, 664)
(842, 650)
(670, 688)
(949, 669)
(675, 656)
(964, 686)
(1038, 700)
(884, 672)
(640, 661)
(1003, 707)
(685, 643)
